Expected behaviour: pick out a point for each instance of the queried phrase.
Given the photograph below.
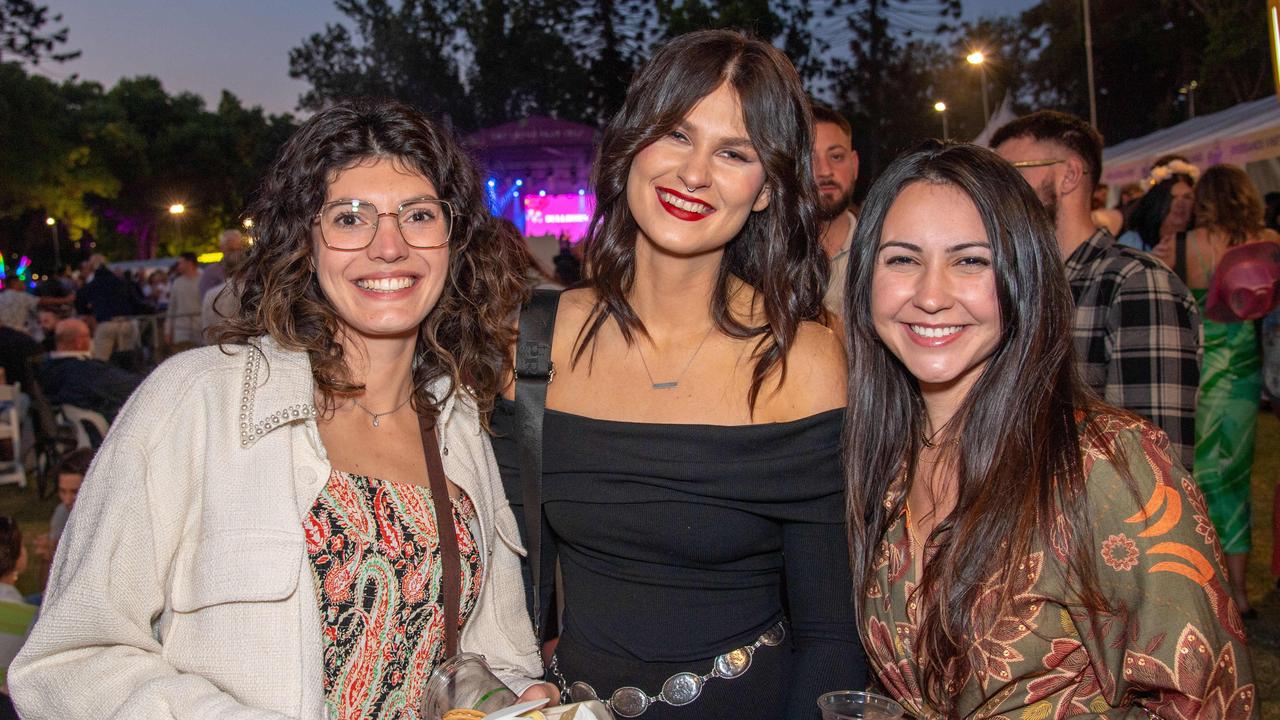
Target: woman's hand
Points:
(542, 690)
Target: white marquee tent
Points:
(1247, 135)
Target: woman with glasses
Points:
(1020, 549)
(305, 520)
(691, 479)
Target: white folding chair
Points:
(83, 420)
(12, 471)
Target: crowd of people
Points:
(980, 443)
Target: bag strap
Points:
(1180, 255)
(534, 371)
(447, 536)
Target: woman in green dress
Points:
(1228, 214)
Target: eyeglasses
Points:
(424, 223)
(1035, 163)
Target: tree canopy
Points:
(106, 164)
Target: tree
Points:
(107, 164)
(408, 52)
(504, 38)
(611, 45)
(885, 86)
(23, 35)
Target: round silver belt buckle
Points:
(582, 692)
(629, 701)
(773, 636)
(733, 663)
(682, 688)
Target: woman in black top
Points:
(691, 476)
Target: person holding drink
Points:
(306, 520)
(1018, 546)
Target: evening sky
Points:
(240, 45)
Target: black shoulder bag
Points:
(534, 371)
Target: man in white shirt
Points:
(184, 304)
(835, 169)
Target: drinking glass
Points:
(464, 681)
(854, 705)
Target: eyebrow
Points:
(732, 141)
(951, 250)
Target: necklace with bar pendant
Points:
(672, 384)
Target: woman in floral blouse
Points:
(1021, 549)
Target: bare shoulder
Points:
(815, 378)
(576, 304)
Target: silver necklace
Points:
(377, 416)
(670, 384)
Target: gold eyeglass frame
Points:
(448, 233)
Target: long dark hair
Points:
(1152, 208)
(776, 252)
(466, 336)
(1019, 436)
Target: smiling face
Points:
(386, 289)
(933, 290)
(835, 168)
(692, 190)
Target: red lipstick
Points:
(679, 212)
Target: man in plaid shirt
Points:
(1137, 327)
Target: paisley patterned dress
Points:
(376, 563)
(1174, 648)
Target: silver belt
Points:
(679, 689)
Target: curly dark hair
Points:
(466, 335)
(776, 252)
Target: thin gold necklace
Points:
(670, 384)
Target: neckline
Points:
(810, 419)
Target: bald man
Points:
(72, 376)
(231, 243)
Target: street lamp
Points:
(978, 58)
(941, 107)
(57, 256)
(176, 211)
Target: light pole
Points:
(978, 58)
(57, 254)
(941, 108)
(175, 211)
(1190, 91)
(1088, 57)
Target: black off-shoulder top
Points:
(679, 542)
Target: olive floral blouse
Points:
(1174, 647)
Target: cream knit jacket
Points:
(182, 587)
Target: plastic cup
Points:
(854, 705)
(464, 681)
